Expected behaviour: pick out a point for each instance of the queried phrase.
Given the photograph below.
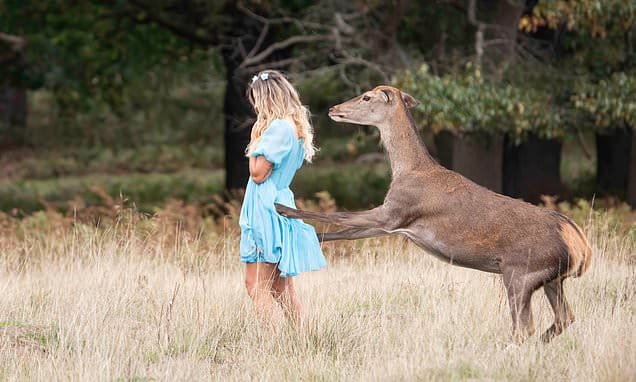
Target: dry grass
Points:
(144, 300)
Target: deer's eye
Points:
(366, 98)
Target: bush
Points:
(466, 102)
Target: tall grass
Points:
(161, 299)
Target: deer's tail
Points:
(578, 248)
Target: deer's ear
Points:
(409, 101)
(386, 94)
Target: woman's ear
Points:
(409, 101)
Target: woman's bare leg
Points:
(284, 292)
(259, 278)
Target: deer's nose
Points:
(331, 109)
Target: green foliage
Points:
(610, 102)
(601, 53)
(113, 77)
(591, 17)
(600, 33)
(176, 106)
(82, 51)
(124, 82)
(467, 102)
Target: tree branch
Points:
(345, 79)
(259, 41)
(351, 60)
(301, 24)
(274, 64)
(17, 43)
(282, 45)
(472, 14)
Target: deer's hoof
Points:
(549, 334)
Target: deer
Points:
(459, 221)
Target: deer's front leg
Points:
(375, 218)
(351, 234)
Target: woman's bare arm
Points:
(260, 168)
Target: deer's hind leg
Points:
(563, 315)
(520, 288)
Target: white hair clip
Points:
(264, 76)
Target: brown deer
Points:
(459, 221)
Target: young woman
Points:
(273, 247)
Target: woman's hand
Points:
(260, 169)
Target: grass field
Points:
(151, 299)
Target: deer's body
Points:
(459, 221)
(467, 225)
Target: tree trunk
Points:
(477, 157)
(13, 101)
(239, 116)
(612, 161)
(237, 113)
(13, 114)
(387, 51)
(631, 180)
(236, 109)
(444, 142)
(500, 34)
(532, 169)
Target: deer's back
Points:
(460, 221)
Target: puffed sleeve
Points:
(276, 142)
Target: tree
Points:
(559, 81)
(84, 53)
(494, 105)
(13, 111)
(603, 54)
(252, 36)
(92, 47)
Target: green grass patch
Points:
(45, 339)
(161, 158)
(352, 186)
(12, 324)
(145, 191)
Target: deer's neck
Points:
(403, 144)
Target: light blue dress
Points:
(267, 236)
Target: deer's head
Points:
(374, 107)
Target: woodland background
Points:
(123, 125)
(143, 101)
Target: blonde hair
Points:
(273, 97)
